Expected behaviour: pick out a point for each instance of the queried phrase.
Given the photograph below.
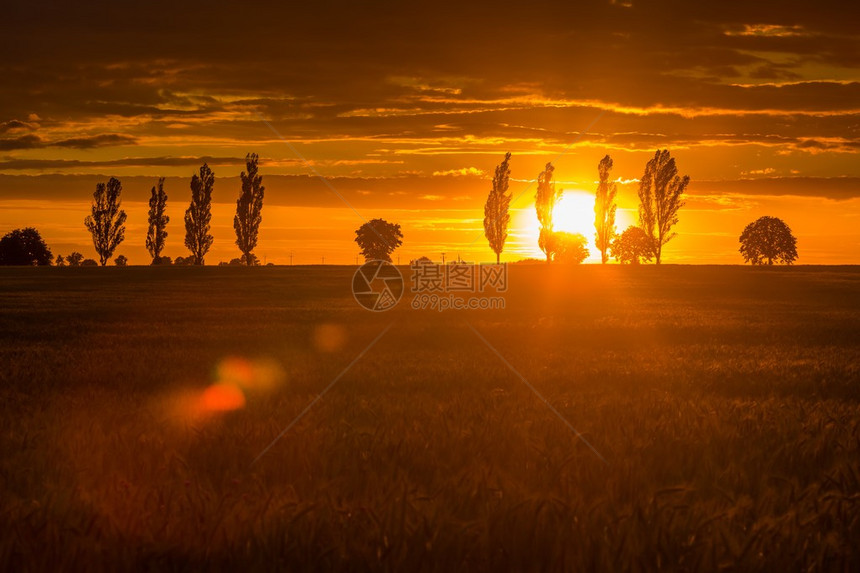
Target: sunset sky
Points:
(406, 108)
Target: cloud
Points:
(21, 142)
(462, 172)
(104, 140)
(767, 30)
(419, 85)
(32, 141)
(15, 125)
(288, 190)
(11, 164)
(837, 188)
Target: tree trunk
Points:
(497, 258)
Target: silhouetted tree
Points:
(24, 247)
(165, 261)
(568, 247)
(496, 217)
(632, 246)
(768, 240)
(604, 209)
(158, 221)
(545, 200)
(89, 263)
(74, 259)
(198, 216)
(60, 261)
(660, 192)
(250, 260)
(377, 239)
(121, 261)
(107, 222)
(249, 208)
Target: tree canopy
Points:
(158, 220)
(377, 239)
(768, 240)
(545, 199)
(632, 246)
(249, 209)
(75, 259)
(106, 224)
(604, 209)
(496, 216)
(24, 247)
(660, 192)
(568, 247)
(198, 216)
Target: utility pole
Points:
(323, 260)
(291, 258)
(443, 259)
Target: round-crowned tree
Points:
(569, 247)
(768, 240)
(24, 247)
(632, 246)
(378, 238)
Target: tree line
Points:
(107, 221)
(661, 197)
(767, 240)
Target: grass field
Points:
(725, 402)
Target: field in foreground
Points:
(721, 404)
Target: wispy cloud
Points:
(32, 141)
(462, 172)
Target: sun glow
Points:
(575, 214)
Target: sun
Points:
(574, 213)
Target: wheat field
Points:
(715, 411)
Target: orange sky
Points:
(407, 109)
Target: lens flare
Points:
(235, 378)
(221, 398)
(249, 374)
(329, 337)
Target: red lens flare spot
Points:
(221, 398)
